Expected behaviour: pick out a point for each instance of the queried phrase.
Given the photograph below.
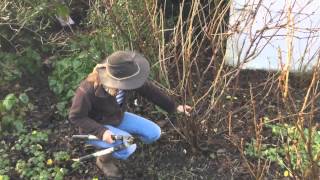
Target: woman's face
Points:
(111, 91)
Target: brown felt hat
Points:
(123, 70)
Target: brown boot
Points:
(107, 165)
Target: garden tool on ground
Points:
(126, 141)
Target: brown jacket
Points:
(93, 107)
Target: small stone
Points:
(221, 151)
(212, 156)
(136, 102)
(184, 151)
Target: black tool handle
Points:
(117, 137)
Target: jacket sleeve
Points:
(155, 95)
(78, 114)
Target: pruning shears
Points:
(126, 141)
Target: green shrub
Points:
(28, 23)
(291, 152)
(36, 164)
(61, 156)
(12, 65)
(29, 61)
(4, 177)
(32, 160)
(69, 71)
(12, 111)
(5, 165)
(9, 70)
(37, 15)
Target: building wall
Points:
(261, 33)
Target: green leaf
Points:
(75, 165)
(76, 64)
(61, 156)
(70, 94)
(4, 177)
(62, 10)
(83, 54)
(18, 125)
(24, 98)
(2, 108)
(7, 120)
(61, 106)
(9, 101)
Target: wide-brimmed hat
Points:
(123, 70)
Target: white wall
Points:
(269, 49)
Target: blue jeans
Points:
(145, 129)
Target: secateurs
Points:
(126, 141)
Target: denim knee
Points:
(125, 153)
(153, 135)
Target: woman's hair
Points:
(93, 77)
